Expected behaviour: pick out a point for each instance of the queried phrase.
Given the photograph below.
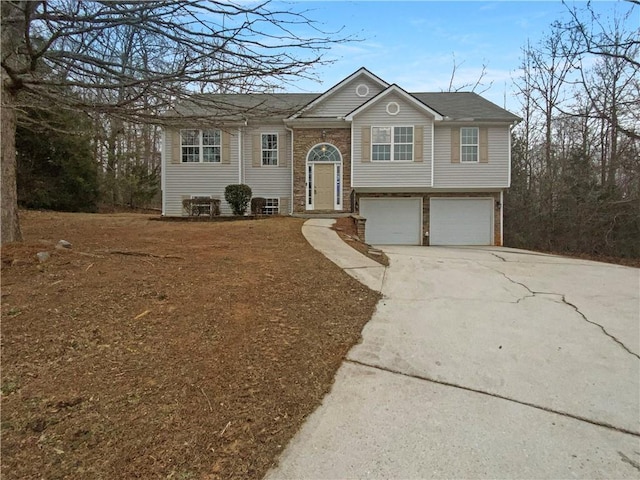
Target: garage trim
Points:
(413, 219)
(484, 233)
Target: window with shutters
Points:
(200, 146)
(392, 144)
(269, 149)
(469, 144)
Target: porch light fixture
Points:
(324, 134)
(498, 205)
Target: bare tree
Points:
(580, 89)
(105, 57)
(477, 86)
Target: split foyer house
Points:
(421, 168)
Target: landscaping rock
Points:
(63, 244)
(43, 256)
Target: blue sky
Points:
(413, 43)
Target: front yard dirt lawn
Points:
(166, 350)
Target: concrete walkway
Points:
(323, 238)
(484, 363)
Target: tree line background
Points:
(575, 154)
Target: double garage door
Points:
(452, 221)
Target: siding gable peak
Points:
(390, 90)
(361, 72)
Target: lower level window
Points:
(271, 206)
(200, 205)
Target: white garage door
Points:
(392, 221)
(461, 221)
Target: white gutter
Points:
(291, 199)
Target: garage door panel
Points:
(392, 221)
(461, 221)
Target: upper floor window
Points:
(391, 144)
(469, 144)
(200, 146)
(269, 149)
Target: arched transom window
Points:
(324, 152)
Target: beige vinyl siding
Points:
(345, 100)
(182, 180)
(451, 174)
(367, 173)
(267, 181)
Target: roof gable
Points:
(398, 91)
(362, 73)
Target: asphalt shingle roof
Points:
(465, 106)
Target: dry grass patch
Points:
(166, 350)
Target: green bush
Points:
(257, 205)
(238, 196)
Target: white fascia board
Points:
(336, 87)
(394, 89)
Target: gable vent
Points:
(393, 108)
(362, 90)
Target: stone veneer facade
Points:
(304, 139)
(426, 205)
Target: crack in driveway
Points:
(626, 459)
(498, 396)
(564, 301)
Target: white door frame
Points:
(338, 173)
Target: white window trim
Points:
(393, 127)
(201, 145)
(277, 207)
(262, 150)
(477, 145)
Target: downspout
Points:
(290, 130)
(163, 171)
(509, 169)
(502, 218)
(241, 150)
(433, 141)
(240, 155)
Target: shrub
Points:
(257, 205)
(238, 197)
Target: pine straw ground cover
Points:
(166, 350)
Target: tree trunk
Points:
(11, 29)
(10, 223)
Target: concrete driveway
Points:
(485, 363)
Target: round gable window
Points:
(362, 90)
(393, 108)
